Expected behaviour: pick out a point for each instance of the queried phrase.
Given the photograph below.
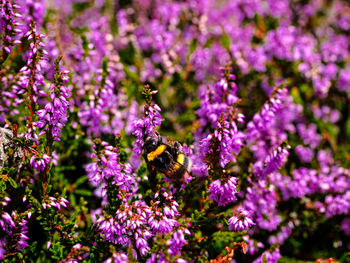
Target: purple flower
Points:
(240, 222)
(39, 163)
(7, 221)
(106, 166)
(345, 226)
(52, 201)
(199, 165)
(283, 234)
(146, 126)
(22, 243)
(272, 162)
(33, 10)
(216, 100)
(337, 205)
(96, 113)
(230, 140)
(162, 219)
(268, 256)
(9, 27)
(54, 115)
(253, 246)
(305, 154)
(177, 241)
(309, 134)
(128, 224)
(223, 191)
(117, 257)
(261, 203)
(267, 130)
(3, 243)
(326, 113)
(343, 83)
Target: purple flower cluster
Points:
(53, 116)
(272, 162)
(31, 81)
(52, 201)
(223, 191)
(282, 235)
(215, 100)
(6, 221)
(146, 126)
(33, 11)
(269, 256)
(226, 139)
(305, 154)
(39, 163)
(266, 126)
(261, 203)
(240, 222)
(309, 134)
(106, 167)
(305, 181)
(218, 114)
(134, 224)
(177, 241)
(9, 27)
(335, 205)
(16, 229)
(230, 140)
(326, 113)
(117, 257)
(162, 220)
(10, 101)
(104, 102)
(23, 230)
(252, 245)
(127, 228)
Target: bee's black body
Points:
(167, 159)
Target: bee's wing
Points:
(164, 162)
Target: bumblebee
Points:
(167, 159)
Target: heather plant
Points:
(255, 92)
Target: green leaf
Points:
(72, 200)
(296, 95)
(83, 192)
(347, 127)
(80, 180)
(193, 46)
(226, 41)
(12, 182)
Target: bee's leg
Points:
(152, 172)
(152, 176)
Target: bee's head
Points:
(151, 144)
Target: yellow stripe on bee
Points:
(180, 158)
(153, 155)
(179, 161)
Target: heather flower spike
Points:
(241, 221)
(9, 15)
(146, 126)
